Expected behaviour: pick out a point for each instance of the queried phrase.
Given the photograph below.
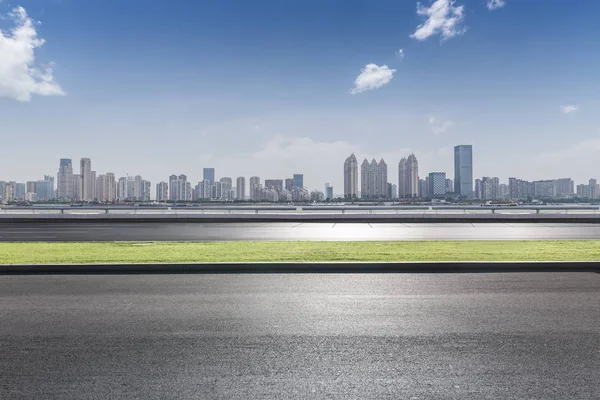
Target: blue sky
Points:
(264, 88)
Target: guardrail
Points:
(296, 210)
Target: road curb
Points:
(300, 268)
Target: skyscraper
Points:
(240, 188)
(449, 185)
(255, 188)
(298, 181)
(408, 177)
(65, 180)
(209, 175)
(179, 190)
(351, 177)
(328, 191)
(226, 185)
(373, 179)
(463, 171)
(289, 184)
(85, 171)
(77, 187)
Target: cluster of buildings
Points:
(89, 186)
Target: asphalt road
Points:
(287, 336)
(94, 231)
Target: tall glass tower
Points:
(463, 170)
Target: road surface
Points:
(400, 336)
(94, 231)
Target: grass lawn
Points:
(170, 252)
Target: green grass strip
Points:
(170, 252)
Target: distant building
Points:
(478, 194)
(179, 190)
(351, 177)
(424, 188)
(408, 177)
(463, 171)
(209, 175)
(298, 180)
(276, 184)
(162, 191)
(519, 189)
(317, 196)
(241, 188)
(565, 187)
(490, 188)
(437, 184)
(255, 188)
(226, 188)
(544, 189)
(64, 189)
(373, 179)
(77, 187)
(85, 171)
(20, 191)
(43, 189)
(449, 185)
(289, 184)
(328, 191)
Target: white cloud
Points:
(372, 77)
(400, 54)
(441, 18)
(569, 108)
(439, 127)
(19, 76)
(495, 4)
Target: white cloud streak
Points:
(442, 17)
(569, 108)
(372, 77)
(20, 77)
(439, 127)
(495, 4)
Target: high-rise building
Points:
(449, 185)
(162, 191)
(179, 190)
(77, 187)
(408, 177)
(519, 189)
(19, 191)
(64, 190)
(226, 183)
(209, 175)
(544, 189)
(351, 177)
(122, 188)
(240, 188)
(478, 192)
(298, 180)
(93, 178)
(255, 188)
(437, 184)
(565, 187)
(489, 188)
(106, 188)
(373, 179)
(424, 188)
(276, 184)
(463, 171)
(328, 191)
(85, 170)
(43, 189)
(289, 184)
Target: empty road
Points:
(99, 231)
(399, 336)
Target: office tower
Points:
(255, 188)
(65, 180)
(423, 188)
(328, 191)
(226, 183)
(565, 187)
(85, 171)
(289, 184)
(93, 184)
(463, 171)
(449, 185)
(43, 189)
(240, 188)
(351, 177)
(276, 184)
(390, 191)
(77, 187)
(489, 188)
(208, 174)
(162, 191)
(478, 192)
(298, 180)
(437, 184)
(408, 177)
(394, 191)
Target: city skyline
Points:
(530, 102)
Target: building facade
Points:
(85, 170)
(437, 184)
(240, 188)
(298, 180)
(64, 190)
(351, 177)
(408, 177)
(463, 171)
(373, 179)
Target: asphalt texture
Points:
(116, 231)
(289, 336)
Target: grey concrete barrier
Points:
(299, 268)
